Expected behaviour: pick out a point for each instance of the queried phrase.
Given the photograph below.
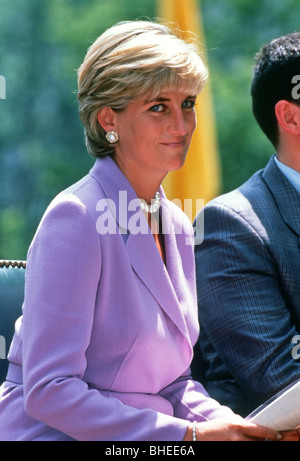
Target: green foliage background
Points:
(42, 43)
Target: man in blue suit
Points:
(248, 266)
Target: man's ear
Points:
(106, 118)
(288, 116)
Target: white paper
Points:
(282, 412)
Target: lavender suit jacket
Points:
(103, 349)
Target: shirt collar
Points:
(292, 175)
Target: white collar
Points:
(292, 175)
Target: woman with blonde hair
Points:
(103, 349)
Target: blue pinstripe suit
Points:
(248, 276)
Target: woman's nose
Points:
(178, 124)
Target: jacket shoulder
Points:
(253, 194)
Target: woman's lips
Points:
(174, 143)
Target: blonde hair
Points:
(130, 59)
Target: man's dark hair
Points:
(277, 63)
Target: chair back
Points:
(12, 278)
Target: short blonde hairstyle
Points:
(130, 59)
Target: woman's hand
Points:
(237, 429)
(291, 436)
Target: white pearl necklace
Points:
(155, 204)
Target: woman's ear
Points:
(106, 118)
(288, 116)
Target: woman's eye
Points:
(157, 108)
(188, 104)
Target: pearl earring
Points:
(112, 137)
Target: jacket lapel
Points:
(160, 279)
(286, 196)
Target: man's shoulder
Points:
(254, 194)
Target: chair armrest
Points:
(12, 278)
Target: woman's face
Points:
(154, 136)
